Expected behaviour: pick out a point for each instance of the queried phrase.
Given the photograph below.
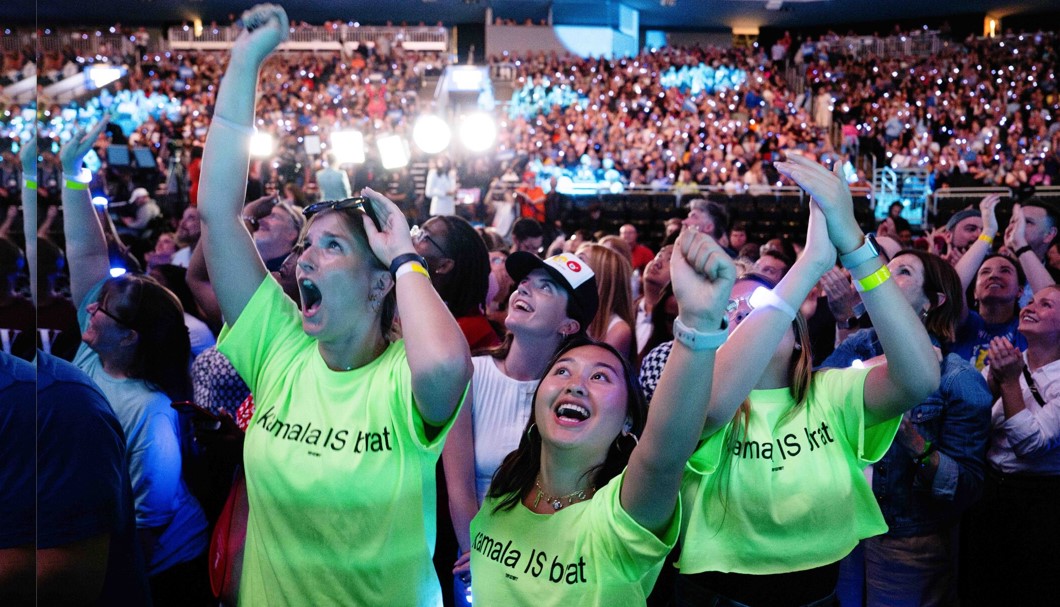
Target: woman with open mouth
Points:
(349, 422)
(556, 298)
(580, 513)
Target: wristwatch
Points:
(860, 255)
(700, 340)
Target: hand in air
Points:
(987, 208)
(702, 274)
(1016, 232)
(73, 152)
(830, 191)
(265, 26)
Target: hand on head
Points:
(702, 274)
(394, 239)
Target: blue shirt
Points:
(974, 335)
(956, 419)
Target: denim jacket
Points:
(955, 418)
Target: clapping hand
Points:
(1016, 232)
(702, 274)
(1006, 361)
(830, 191)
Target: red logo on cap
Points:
(574, 266)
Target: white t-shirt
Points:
(499, 413)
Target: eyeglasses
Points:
(104, 312)
(360, 203)
(758, 298)
(419, 235)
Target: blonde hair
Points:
(613, 283)
(615, 243)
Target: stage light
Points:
(348, 147)
(393, 151)
(478, 132)
(431, 134)
(116, 272)
(261, 144)
(102, 75)
(100, 201)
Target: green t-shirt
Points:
(589, 553)
(340, 475)
(795, 492)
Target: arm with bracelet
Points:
(911, 372)
(86, 244)
(969, 263)
(743, 360)
(1038, 276)
(28, 156)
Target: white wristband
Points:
(766, 298)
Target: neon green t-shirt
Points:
(340, 475)
(795, 492)
(589, 553)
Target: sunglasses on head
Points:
(360, 203)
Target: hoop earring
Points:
(618, 443)
(529, 432)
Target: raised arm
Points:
(233, 262)
(28, 156)
(702, 275)
(969, 263)
(435, 347)
(86, 246)
(744, 358)
(1038, 276)
(911, 372)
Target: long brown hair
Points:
(940, 279)
(517, 473)
(613, 279)
(800, 375)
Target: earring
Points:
(530, 431)
(618, 443)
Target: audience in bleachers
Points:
(672, 139)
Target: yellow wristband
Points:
(986, 239)
(30, 184)
(870, 282)
(411, 266)
(75, 185)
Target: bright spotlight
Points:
(100, 201)
(100, 76)
(348, 147)
(116, 272)
(431, 134)
(478, 132)
(261, 144)
(393, 151)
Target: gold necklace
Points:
(557, 502)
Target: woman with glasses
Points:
(135, 346)
(775, 494)
(460, 270)
(349, 422)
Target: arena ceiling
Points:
(682, 14)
